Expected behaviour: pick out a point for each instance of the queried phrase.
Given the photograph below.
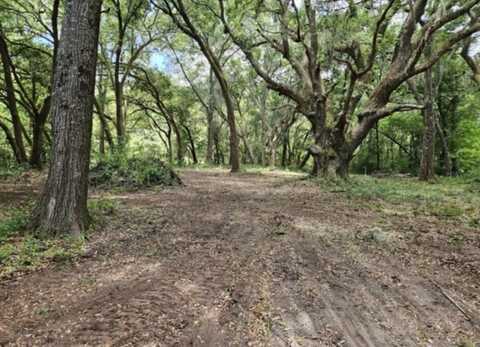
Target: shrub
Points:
(121, 171)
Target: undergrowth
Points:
(457, 198)
(21, 250)
(9, 171)
(129, 172)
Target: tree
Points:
(133, 32)
(427, 170)
(182, 19)
(62, 207)
(340, 123)
(17, 143)
(31, 52)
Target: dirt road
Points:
(252, 260)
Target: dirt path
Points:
(252, 260)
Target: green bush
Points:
(122, 171)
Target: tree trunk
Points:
(447, 161)
(273, 152)
(285, 141)
(192, 144)
(10, 138)
(189, 29)
(36, 160)
(20, 155)
(263, 127)
(36, 155)
(233, 138)
(210, 121)
(178, 137)
(428, 149)
(101, 140)
(329, 160)
(63, 204)
(377, 148)
(118, 89)
(169, 141)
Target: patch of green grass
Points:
(30, 252)
(202, 166)
(15, 222)
(244, 168)
(102, 206)
(99, 209)
(451, 198)
(22, 250)
(10, 171)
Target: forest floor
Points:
(253, 259)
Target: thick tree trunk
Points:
(330, 160)
(20, 155)
(63, 204)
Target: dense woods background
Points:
(186, 83)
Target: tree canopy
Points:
(337, 86)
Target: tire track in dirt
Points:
(358, 309)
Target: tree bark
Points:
(62, 207)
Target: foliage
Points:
(10, 169)
(467, 136)
(17, 220)
(23, 251)
(171, 100)
(120, 170)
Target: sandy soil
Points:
(252, 260)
